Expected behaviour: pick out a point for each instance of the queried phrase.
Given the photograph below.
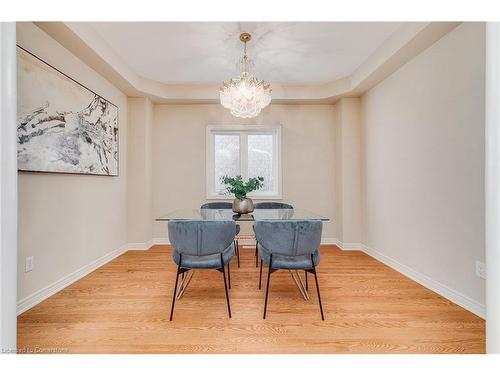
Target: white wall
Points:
(348, 172)
(139, 172)
(423, 173)
(69, 221)
(307, 156)
(8, 187)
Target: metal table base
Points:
(188, 275)
(300, 285)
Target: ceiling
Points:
(284, 52)
(185, 62)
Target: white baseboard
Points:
(347, 246)
(249, 242)
(245, 242)
(329, 241)
(160, 241)
(140, 245)
(44, 293)
(441, 289)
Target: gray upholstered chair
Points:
(269, 206)
(202, 244)
(291, 245)
(225, 206)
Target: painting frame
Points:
(82, 86)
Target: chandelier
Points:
(245, 96)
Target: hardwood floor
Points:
(123, 307)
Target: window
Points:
(249, 151)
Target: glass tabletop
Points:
(227, 214)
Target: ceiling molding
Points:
(406, 43)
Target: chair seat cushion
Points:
(288, 262)
(211, 261)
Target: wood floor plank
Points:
(123, 307)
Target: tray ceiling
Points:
(284, 52)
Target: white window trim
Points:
(209, 167)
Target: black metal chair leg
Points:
(225, 284)
(260, 275)
(256, 255)
(228, 276)
(238, 252)
(175, 288)
(267, 287)
(317, 288)
(307, 283)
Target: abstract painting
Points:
(62, 126)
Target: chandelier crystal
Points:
(245, 96)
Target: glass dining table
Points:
(227, 214)
(257, 214)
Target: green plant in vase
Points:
(240, 189)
